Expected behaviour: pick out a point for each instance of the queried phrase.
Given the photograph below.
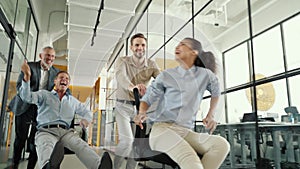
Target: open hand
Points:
(26, 70)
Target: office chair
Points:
(141, 145)
(82, 136)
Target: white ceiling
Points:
(85, 62)
(118, 18)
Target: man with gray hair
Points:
(43, 74)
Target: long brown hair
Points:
(209, 61)
(204, 59)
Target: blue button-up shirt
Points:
(180, 92)
(51, 110)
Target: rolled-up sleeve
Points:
(213, 85)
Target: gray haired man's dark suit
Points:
(25, 114)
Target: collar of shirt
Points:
(55, 93)
(145, 64)
(183, 71)
(43, 69)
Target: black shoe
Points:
(106, 162)
(57, 155)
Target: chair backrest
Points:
(248, 117)
(291, 109)
(141, 145)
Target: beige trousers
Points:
(183, 144)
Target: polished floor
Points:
(70, 161)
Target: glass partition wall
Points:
(255, 43)
(18, 34)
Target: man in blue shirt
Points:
(56, 110)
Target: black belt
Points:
(126, 101)
(55, 126)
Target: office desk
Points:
(287, 131)
(230, 131)
(247, 130)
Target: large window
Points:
(291, 39)
(257, 55)
(236, 111)
(269, 99)
(268, 54)
(21, 25)
(269, 63)
(237, 74)
(224, 29)
(4, 49)
(295, 90)
(32, 38)
(9, 8)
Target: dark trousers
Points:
(22, 124)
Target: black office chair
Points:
(141, 145)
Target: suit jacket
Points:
(17, 105)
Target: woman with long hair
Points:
(180, 91)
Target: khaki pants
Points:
(46, 139)
(183, 144)
(124, 113)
